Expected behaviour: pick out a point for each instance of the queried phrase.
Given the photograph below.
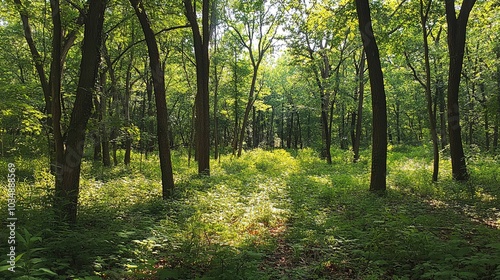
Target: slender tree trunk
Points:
(424, 13)
(255, 130)
(298, 133)
(497, 115)
(456, 45)
(379, 109)
(201, 43)
(359, 115)
(271, 130)
(96, 136)
(250, 102)
(282, 126)
(482, 88)
(216, 112)
(160, 98)
(442, 113)
(290, 129)
(67, 193)
(126, 109)
(61, 201)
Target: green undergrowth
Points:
(266, 215)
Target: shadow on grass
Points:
(338, 230)
(269, 215)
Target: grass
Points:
(267, 215)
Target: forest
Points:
(240, 139)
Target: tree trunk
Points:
(201, 43)
(271, 130)
(456, 45)
(236, 98)
(379, 124)
(298, 133)
(126, 109)
(250, 102)
(497, 115)
(68, 188)
(424, 13)
(216, 112)
(482, 88)
(358, 116)
(160, 98)
(61, 201)
(290, 129)
(325, 130)
(442, 114)
(255, 130)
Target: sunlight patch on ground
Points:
(412, 165)
(321, 180)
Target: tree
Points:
(202, 102)
(52, 85)
(424, 11)
(379, 123)
(457, 29)
(357, 115)
(259, 20)
(69, 156)
(160, 98)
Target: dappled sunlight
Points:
(280, 216)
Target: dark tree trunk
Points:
(271, 129)
(482, 88)
(96, 136)
(201, 43)
(298, 133)
(216, 111)
(379, 124)
(325, 129)
(497, 115)
(248, 108)
(424, 15)
(68, 188)
(255, 129)
(61, 201)
(126, 109)
(167, 176)
(398, 122)
(97, 147)
(290, 130)
(236, 98)
(358, 116)
(456, 45)
(442, 113)
(282, 126)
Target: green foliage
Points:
(31, 263)
(266, 215)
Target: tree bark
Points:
(167, 175)
(61, 202)
(68, 188)
(358, 116)
(379, 109)
(236, 110)
(248, 108)
(497, 115)
(424, 15)
(201, 43)
(457, 28)
(126, 112)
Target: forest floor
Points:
(267, 215)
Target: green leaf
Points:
(48, 271)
